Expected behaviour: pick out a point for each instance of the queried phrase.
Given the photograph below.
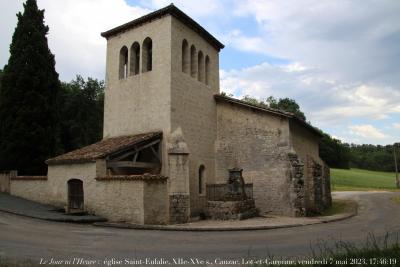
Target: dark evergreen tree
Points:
(28, 97)
(1, 75)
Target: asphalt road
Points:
(24, 238)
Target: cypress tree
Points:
(28, 97)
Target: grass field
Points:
(357, 179)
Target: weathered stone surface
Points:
(318, 191)
(249, 139)
(231, 210)
(297, 185)
(326, 193)
(178, 208)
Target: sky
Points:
(339, 59)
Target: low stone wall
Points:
(138, 199)
(155, 202)
(179, 208)
(34, 188)
(132, 199)
(231, 210)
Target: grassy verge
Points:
(362, 180)
(396, 199)
(373, 253)
(339, 206)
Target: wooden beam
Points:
(135, 150)
(135, 157)
(155, 154)
(131, 164)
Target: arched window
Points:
(135, 59)
(201, 178)
(123, 62)
(200, 68)
(147, 55)
(185, 56)
(207, 70)
(193, 62)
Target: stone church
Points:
(170, 138)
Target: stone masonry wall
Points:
(140, 103)
(230, 210)
(179, 208)
(305, 143)
(326, 189)
(259, 143)
(34, 188)
(316, 202)
(297, 186)
(116, 200)
(193, 109)
(155, 200)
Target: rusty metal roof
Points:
(103, 148)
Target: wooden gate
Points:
(75, 195)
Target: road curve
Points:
(24, 238)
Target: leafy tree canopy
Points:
(81, 105)
(284, 104)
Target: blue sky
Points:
(340, 60)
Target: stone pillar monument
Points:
(179, 194)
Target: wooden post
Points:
(395, 166)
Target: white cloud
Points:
(351, 40)
(195, 7)
(396, 125)
(75, 28)
(344, 54)
(367, 131)
(8, 21)
(324, 101)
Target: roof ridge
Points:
(286, 113)
(289, 115)
(173, 11)
(102, 148)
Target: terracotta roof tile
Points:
(146, 177)
(102, 149)
(27, 178)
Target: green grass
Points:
(362, 180)
(338, 206)
(374, 252)
(396, 199)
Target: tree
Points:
(28, 97)
(286, 104)
(81, 115)
(333, 152)
(1, 76)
